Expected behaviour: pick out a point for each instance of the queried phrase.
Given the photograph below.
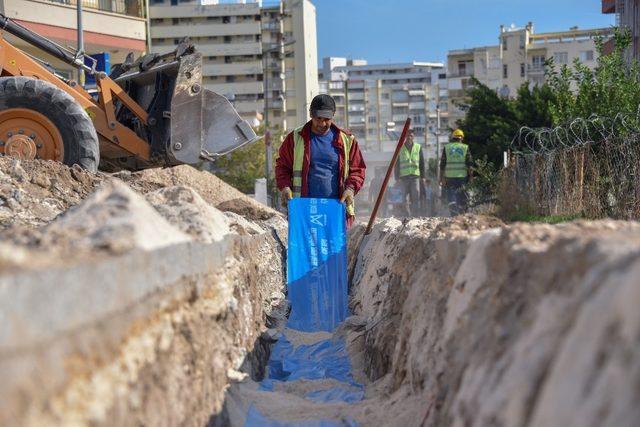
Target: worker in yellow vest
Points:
(455, 172)
(320, 160)
(409, 171)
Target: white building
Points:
(518, 58)
(371, 99)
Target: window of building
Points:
(537, 62)
(586, 56)
(230, 79)
(504, 43)
(561, 57)
(227, 39)
(522, 70)
(462, 68)
(175, 21)
(227, 60)
(226, 19)
(522, 41)
(372, 119)
(505, 71)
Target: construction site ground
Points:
(153, 298)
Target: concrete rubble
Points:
(152, 298)
(132, 309)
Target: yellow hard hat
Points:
(458, 134)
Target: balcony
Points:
(229, 49)
(203, 30)
(193, 10)
(233, 69)
(240, 88)
(535, 69)
(273, 26)
(123, 7)
(275, 85)
(276, 104)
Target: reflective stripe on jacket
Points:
(456, 154)
(410, 161)
(298, 157)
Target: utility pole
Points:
(267, 133)
(438, 142)
(80, 53)
(267, 141)
(346, 103)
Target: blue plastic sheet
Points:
(317, 264)
(255, 418)
(317, 289)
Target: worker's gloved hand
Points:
(347, 196)
(285, 196)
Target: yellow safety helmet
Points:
(458, 134)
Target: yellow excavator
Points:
(148, 112)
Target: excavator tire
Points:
(41, 121)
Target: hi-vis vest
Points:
(410, 161)
(298, 157)
(456, 166)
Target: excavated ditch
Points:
(156, 298)
(468, 322)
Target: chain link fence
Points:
(589, 168)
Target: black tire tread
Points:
(80, 139)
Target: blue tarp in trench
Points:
(317, 289)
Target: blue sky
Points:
(424, 30)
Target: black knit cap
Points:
(323, 106)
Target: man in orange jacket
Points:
(320, 160)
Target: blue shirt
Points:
(324, 167)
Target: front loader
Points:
(147, 113)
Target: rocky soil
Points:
(130, 299)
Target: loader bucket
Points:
(204, 125)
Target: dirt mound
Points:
(211, 188)
(33, 193)
(521, 325)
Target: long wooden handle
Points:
(383, 189)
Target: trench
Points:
(418, 348)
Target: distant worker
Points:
(312, 160)
(455, 172)
(409, 171)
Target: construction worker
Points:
(409, 171)
(320, 160)
(455, 172)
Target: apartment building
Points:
(519, 57)
(256, 55)
(117, 27)
(374, 100)
(229, 36)
(273, 51)
(369, 98)
(627, 16)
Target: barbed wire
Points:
(579, 132)
(589, 167)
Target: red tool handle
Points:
(383, 189)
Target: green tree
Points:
(609, 89)
(242, 167)
(492, 121)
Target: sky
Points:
(424, 30)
